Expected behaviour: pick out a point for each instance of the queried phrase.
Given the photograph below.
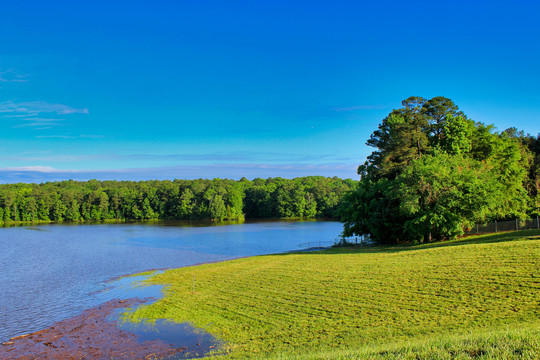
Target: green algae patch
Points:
(333, 301)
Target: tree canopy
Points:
(434, 173)
(217, 199)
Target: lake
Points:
(52, 272)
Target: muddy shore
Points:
(90, 335)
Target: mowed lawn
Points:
(349, 302)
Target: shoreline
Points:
(79, 328)
(165, 222)
(65, 338)
(93, 335)
(90, 335)
(154, 271)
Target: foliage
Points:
(441, 195)
(532, 145)
(342, 299)
(368, 210)
(435, 172)
(216, 199)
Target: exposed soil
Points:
(90, 335)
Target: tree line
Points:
(217, 199)
(435, 172)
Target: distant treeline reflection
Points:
(217, 199)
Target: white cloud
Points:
(55, 137)
(42, 119)
(34, 108)
(37, 114)
(42, 169)
(33, 122)
(231, 171)
(11, 76)
(233, 159)
(70, 137)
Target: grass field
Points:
(471, 298)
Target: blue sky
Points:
(188, 89)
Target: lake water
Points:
(51, 272)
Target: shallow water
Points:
(51, 272)
(195, 342)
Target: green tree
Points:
(532, 184)
(400, 138)
(438, 110)
(458, 135)
(216, 207)
(58, 210)
(147, 211)
(72, 211)
(179, 199)
(373, 209)
(433, 173)
(184, 208)
(441, 195)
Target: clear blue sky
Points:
(188, 89)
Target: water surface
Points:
(51, 272)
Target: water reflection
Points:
(195, 342)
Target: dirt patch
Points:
(90, 335)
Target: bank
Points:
(387, 302)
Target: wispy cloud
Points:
(234, 171)
(229, 157)
(34, 108)
(10, 76)
(43, 119)
(208, 159)
(38, 115)
(39, 169)
(70, 137)
(38, 123)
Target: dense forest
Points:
(217, 199)
(435, 172)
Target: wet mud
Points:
(94, 335)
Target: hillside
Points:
(430, 301)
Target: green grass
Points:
(434, 301)
(522, 343)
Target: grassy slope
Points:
(368, 303)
